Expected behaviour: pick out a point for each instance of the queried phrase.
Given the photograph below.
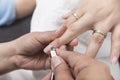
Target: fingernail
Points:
(67, 15)
(47, 49)
(114, 60)
(58, 29)
(55, 61)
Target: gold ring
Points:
(76, 16)
(100, 32)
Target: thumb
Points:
(75, 60)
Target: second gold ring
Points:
(100, 32)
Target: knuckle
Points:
(72, 28)
(90, 16)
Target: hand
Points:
(26, 52)
(102, 15)
(83, 67)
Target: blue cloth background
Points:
(7, 12)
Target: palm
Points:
(33, 62)
(29, 51)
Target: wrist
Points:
(7, 51)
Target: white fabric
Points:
(47, 16)
(18, 75)
(24, 75)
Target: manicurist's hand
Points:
(26, 52)
(74, 66)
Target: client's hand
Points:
(101, 16)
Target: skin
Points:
(24, 8)
(26, 52)
(103, 15)
(83, 67)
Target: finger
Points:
(94, 45)
(75, 60)
(98, 37)
(44, 37)
(76, 29)
(49, 35)
(73, 18)
(72, 32)
(74, 42)
(66, 16)
(59, 32)
(69, 46)
(115, 51)
(63, 47)
(79, 10)
(61, 69)
(47, 77)
(71, 57)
